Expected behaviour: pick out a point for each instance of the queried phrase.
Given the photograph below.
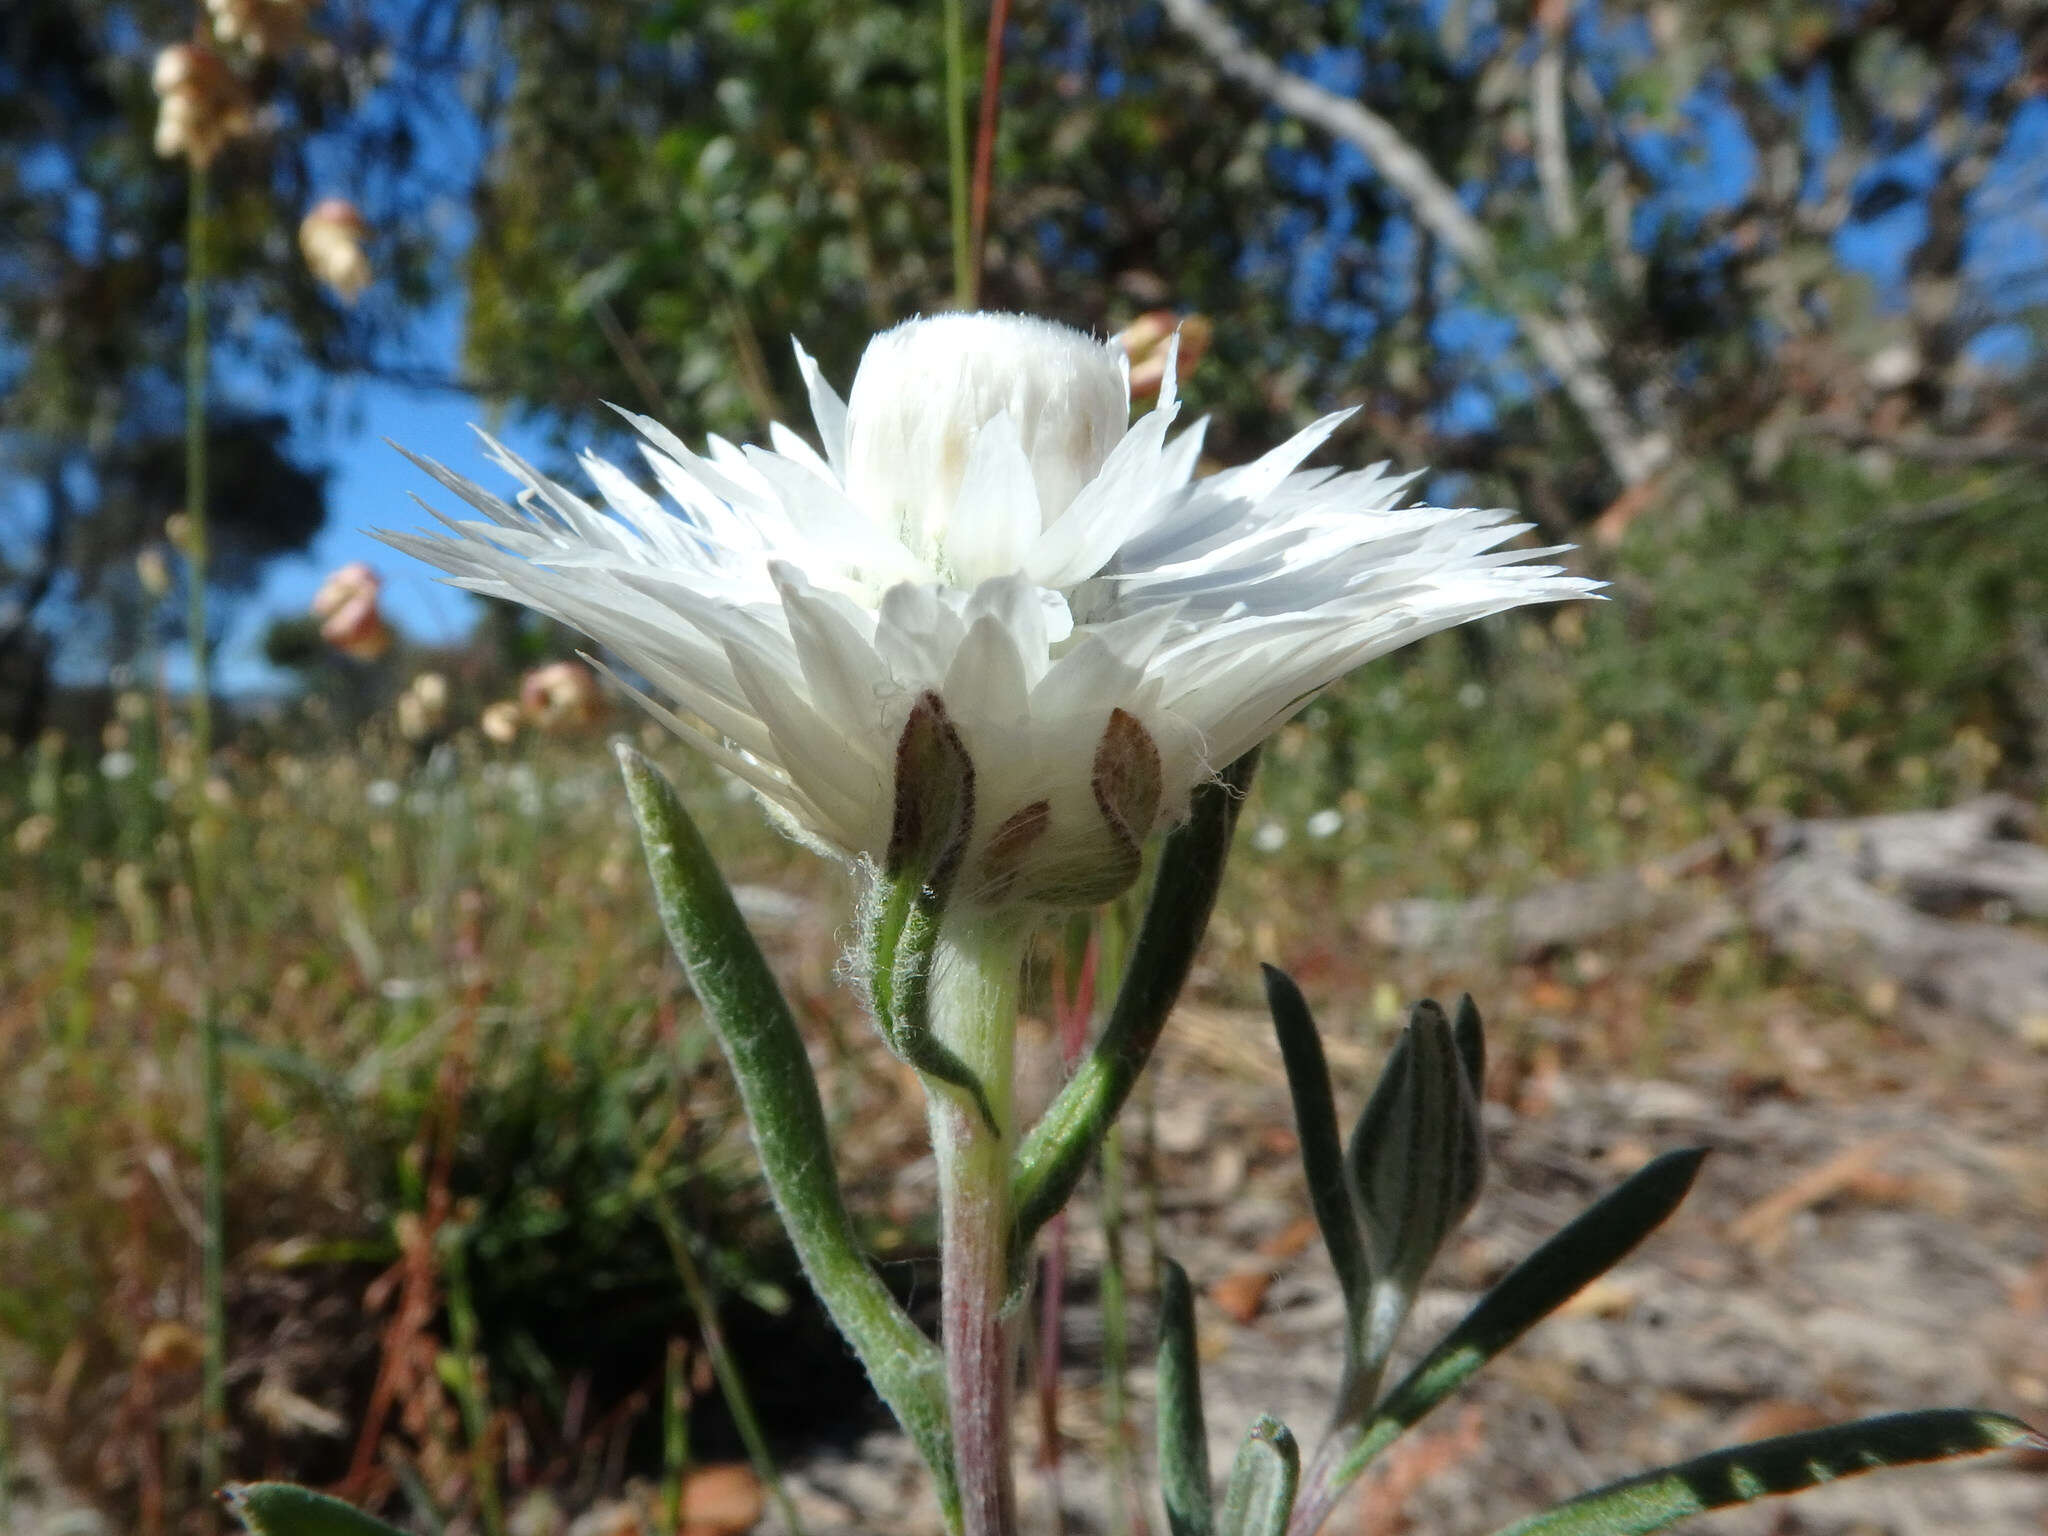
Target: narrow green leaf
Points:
(285, 1509)
(1470, 1033)
(1322, 1155)
(748, 1014)
(1062, 1145)
(1262, 1482)
(1740, 1474)
(1183, 1439)
(1584, 1250)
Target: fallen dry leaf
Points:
(1240, 1296)
(723, 1499)
(1773, 1417)
(1290, 1241)
(1764, 1227)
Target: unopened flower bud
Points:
(968, 435)
(350, 619)
(561, 696)
(1149, 338)
(500, 722)
(201, 103)
(178, 532)
(152, 570)
(262, 27)
(423, 707)
(331, 239)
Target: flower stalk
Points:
(974, 1015)
(213, 1413)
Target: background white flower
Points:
(1102, 629)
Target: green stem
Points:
(196, 370)
(731, 1384)
(954, 24)
(748, 1014)
(473, 1397)
(675, 1435)
(1115, 1333)
(974, 1014)
(213, 1420)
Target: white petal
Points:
(995, 520)
(828, 411)
(988, 675)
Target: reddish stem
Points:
(985, 145)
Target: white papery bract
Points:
(985, 536)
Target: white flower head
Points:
(988, 556)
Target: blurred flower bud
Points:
(331, 239)
(201, 103)
(259, 26)
(169, 1347)
(500, 722)
(350, 620)
(153, 570)
(1146, 339)
(562, 696)
(33, 835)
(423, 707)
(178, 532)
(432, 690)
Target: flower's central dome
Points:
(968, 435)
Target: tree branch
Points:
(1573, 350)
(1546, 116)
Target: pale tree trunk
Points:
(1569, 345)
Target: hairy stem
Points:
(974, 1014)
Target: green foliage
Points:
(1260, 1496)
(281, 1509)
(747, 1012)
(1791, 1464)
(1183, 1439)
(1812, 644)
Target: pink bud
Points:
(331, 239)
(350, 619)
(1146, 339)
(561, 696)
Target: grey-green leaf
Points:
(1322, 1156)
(1416, 1158)
(1470, 1032)
(1183, 1439)
(1651, 1501)
(748, 1014)
(285, 1509)
(1263, 1480)
(1583, 1250)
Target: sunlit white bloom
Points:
(987, 541)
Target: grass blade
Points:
(1791, 1464)
(1183, 1439)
